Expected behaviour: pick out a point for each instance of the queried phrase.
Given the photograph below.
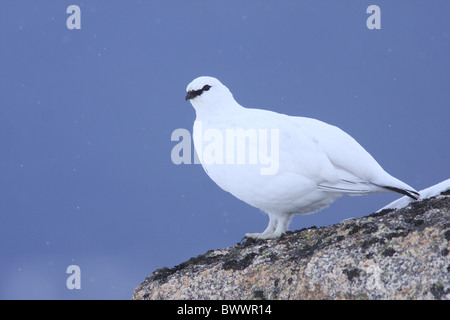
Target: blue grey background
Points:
(86, 118)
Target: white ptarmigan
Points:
(310, 163)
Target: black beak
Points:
(194, 93)
(190, 95)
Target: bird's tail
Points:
(390, 183)
(410, 193)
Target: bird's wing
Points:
(298, 151)
(359, 172)
(356, 168)
(353, 162)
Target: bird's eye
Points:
(206, 87)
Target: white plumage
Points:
(313, 163)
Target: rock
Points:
(392, 254)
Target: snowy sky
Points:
(86, 118)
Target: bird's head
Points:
(208, 92)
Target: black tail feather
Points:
(412, 194)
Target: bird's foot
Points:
(264, 236)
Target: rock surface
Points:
(392, 254)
